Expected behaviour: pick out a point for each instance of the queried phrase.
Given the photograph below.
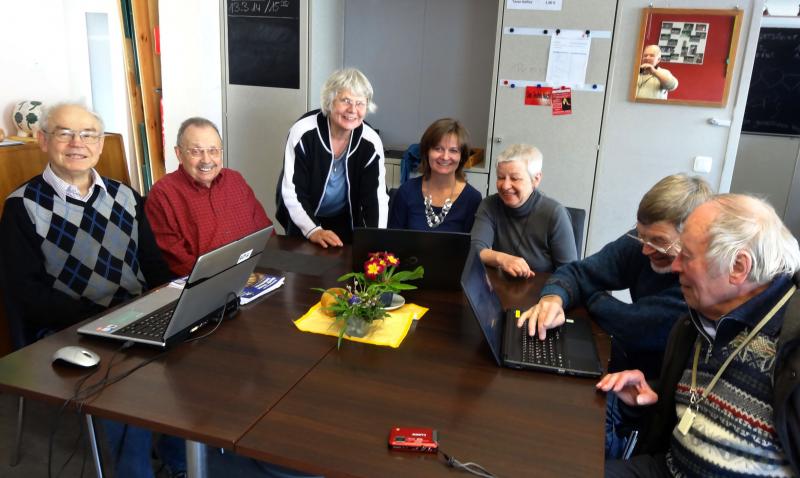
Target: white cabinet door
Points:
(568, 142)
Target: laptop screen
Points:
(442, 254)
(484, 303)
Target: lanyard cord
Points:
(693, 390)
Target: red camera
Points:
(414, 439)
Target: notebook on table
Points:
(567, 350)
(442, 254)
(170, 313)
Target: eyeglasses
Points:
(358, 104)
(197, 153)
(66, 135)
(672, 249)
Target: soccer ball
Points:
(26, 116)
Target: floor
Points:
(67, 441)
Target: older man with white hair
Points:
(73, 244)
(729, 395)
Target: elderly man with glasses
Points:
(202, 205)
(640, 261)
(72, 244)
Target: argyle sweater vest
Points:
(734, 432)
(90, 249)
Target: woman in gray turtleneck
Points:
(519, 229)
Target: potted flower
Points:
(363, 301)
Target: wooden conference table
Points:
(260, 387)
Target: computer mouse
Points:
(75, 355)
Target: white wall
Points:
(30, 33)
(191, 75)
(326, 36)
(426, 59)
(47, 59)
(641, 143)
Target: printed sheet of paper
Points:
(569, 56)
(538, 95)
(562, 101)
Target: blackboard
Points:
(773, 103)
(264, 43)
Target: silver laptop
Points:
(568, 349)
(170, 313)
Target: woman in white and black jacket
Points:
(333, 169)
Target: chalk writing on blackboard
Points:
(264, 8)
(774, 96)
(264, 43)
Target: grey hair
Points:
(347, 79)
(198, 122)
(47, 115)
(749, 225)
(672, 199)
(525, 153)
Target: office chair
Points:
(577, 217)
(392, 193)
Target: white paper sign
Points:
(533, 4)
(569, 56)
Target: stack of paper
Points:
(258, 285)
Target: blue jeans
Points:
(130, 450)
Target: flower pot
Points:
(357, 326)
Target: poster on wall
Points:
(683, 42)
(264, 43)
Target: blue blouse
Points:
(408, 209)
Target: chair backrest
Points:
(392, 194)
(578, 218)
(410, 162)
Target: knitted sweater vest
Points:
(90, 249)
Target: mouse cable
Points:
(78, 386)
(230, 296)
(82, 394)
(469, 466)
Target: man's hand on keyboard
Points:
(547, 314)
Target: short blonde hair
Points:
(525, 153)
(346, 79)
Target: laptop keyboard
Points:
(543, 352)
(152, 327)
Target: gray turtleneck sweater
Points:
(538, 231)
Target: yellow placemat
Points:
(387, 332)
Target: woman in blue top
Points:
(440, 199)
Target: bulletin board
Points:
(705, 83)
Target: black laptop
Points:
(171, 312)
(442, 254)
(567, 350)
